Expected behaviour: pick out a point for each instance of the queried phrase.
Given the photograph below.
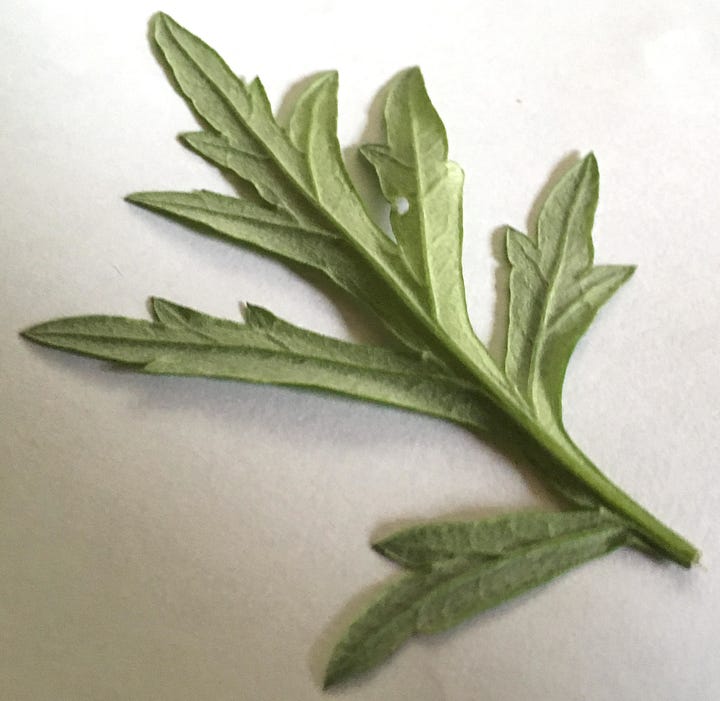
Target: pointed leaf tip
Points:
(159, 21)
(586, 163)
(412, 72)
(331, 679)
(590, 163)
(136, 198)
(27, 333)
(330, 76)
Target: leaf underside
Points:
(427, 544)
(266, 349)
(555, 291)
(413, 169)
(453, 590)
(304, 210)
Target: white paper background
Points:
(180, 539)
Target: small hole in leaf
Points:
(401, 205)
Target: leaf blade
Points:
(497, 581)
(413, 167)
(555, 291)
(266, 350)
(275, 233)
(430, 602)
(427, 544)
(242, 114)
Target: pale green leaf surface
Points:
(455, 590)
(262, 172)
(299, 170)
(266, 349)
(493, 582)
(413, 169)
(424, 545)
(275, 232)
(308, 212)
(222, 99)
(242, 114)
(555, 292)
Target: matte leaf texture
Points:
(453, 590)
(428, 544)
(414, 171)
(266, 349)
(301, 207)
(555, 291)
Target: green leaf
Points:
(308, 212)
(455, 590)
(308, 157)
(555, 292)
(302, 165)
(428, 544)
(261, 172)
(491, 583)
(267, 349)
(425, 193)
(299, 172)
(278, 233)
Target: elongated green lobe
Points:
(455, 590)
(432, 543)
(305, 159)
(269, 350)
(425, 193)
(301, 207)
(555, 292)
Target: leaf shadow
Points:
(497, 342)
(361, 172)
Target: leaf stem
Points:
(563, 455)
(643, 522)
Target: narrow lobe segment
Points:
(267, 349)
(413, 168)
(431, 543)
(458, 589)
(555, 291)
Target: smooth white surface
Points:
(173, 539)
